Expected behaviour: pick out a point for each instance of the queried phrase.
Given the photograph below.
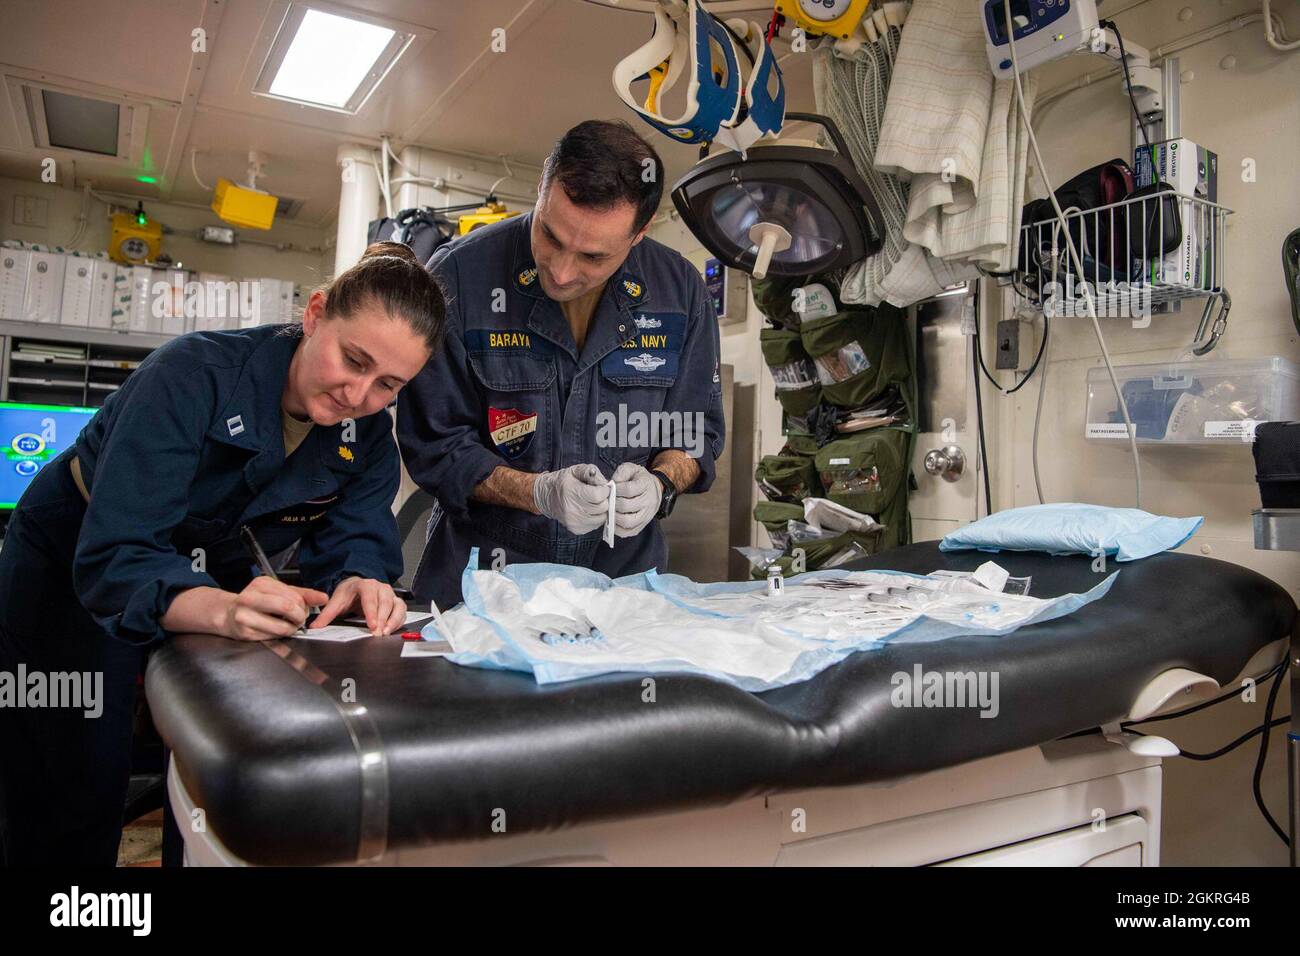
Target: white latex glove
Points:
(577, 497)
(638, 494)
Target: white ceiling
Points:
(450, 91)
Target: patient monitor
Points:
(1044, 30)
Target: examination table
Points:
(304, 752)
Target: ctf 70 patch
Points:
(511, 430)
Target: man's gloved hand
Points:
(638, 494)
(577, 497)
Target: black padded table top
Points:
(266, 753)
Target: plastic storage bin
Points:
(1193, 403)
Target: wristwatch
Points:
(669, 497)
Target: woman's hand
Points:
(268, 608)
(383, 610)
(265, 609)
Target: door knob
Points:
(947, 462)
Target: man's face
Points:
(577, 249)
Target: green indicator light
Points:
(146, 179)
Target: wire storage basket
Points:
(1138, 253)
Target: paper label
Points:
(1108, 430)
(813, 302)
(1243, 429)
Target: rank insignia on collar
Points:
(527, 277)
(634, 289)
(345, 452)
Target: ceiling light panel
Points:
(329, 60)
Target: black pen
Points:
(264, 563)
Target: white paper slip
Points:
(425, 648)
(338, 633)
(411, 618)
(352, 629)
(609, 517)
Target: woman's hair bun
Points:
(389, 275)
(398, 249)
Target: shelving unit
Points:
(1140, 253)
(62, 365)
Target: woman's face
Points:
(353, 367)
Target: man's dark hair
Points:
(601, 163)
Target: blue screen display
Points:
(715, 280)
(31, 436)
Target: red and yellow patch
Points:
(511, 430)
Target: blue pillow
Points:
(1127, 534)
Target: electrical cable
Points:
(1038, 417)
(1263, 756)
(979, 359)
(983, 462)
(1042, 348)
(83, 219)
(1227, 748)
(505, 161)
(381, 169)
(1262, 731)
(195, 170)
(1271, 37)
(1213, 32)
(1078, 266)
(1128, 85)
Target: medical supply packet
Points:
(562, 623)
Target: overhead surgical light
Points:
(785, 208)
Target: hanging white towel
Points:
(941, 145)
(956, 134)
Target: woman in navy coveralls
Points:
(133, 532)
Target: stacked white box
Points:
(140, 314)
(120, 317)
(268, 304)
(168, 301)
(78, 288)
(219, 306)
(43, 298)
(286, 301)
(13, 282)
(249, 305)
(102, 294)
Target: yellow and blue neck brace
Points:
(704, 50)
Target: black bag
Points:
(1112, 246)
(1277, 463)
(1101, 185)
(422, 229)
